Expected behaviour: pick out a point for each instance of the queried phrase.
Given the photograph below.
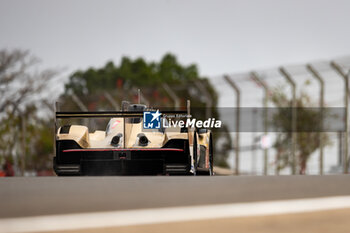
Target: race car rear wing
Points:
(108, 114)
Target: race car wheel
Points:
(211, 156)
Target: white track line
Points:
(173, 214)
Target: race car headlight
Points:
(115, 140)
(143, 140)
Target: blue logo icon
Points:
(151, 120)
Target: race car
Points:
(127, 148)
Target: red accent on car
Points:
(134, 149)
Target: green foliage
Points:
(8, 131)
(27, 133)
(40, 157)
(134, 73)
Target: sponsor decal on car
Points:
(115, 124)
(152, 120)
(209, 123)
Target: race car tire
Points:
(195, 154)
(211, 156)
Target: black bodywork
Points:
(172, 159)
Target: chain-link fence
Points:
(322, 85)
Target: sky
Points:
(219, 36)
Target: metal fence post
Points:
(338, 69)
(316, 75)
(238, 105)
(172, 95)
(294, 116)
(110, 99)
(209, 102)
(79, 103)
(258, 80)
(81, 106)
(140, 96)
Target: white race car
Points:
(126, 148)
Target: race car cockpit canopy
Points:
(135, 108)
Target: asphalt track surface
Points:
(24, 196)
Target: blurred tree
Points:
(21, 97)
(18, 81)
(134, 73)
(308, 116)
